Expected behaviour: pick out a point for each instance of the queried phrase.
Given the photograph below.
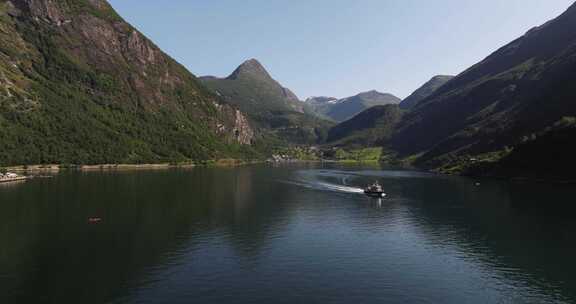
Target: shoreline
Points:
(55, 168)
(159, 166)
(14, 179)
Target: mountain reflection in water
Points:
(284, 235)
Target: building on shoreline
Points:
(10, 177)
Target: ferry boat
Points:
(374, 190)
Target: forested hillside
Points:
(279, 117)
(80, 85)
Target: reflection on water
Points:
(284, 235)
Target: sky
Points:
(337, 47)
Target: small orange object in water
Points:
(94, 220)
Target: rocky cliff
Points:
(78, 81)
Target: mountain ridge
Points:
(343, 109)
(424, 91)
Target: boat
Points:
(374, 190)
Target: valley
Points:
(80, 86)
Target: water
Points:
(284, 235)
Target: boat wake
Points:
(340, 188)
(312, 181)
(322, 186)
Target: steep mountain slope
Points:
(369, 128)
(425, 91)
(346, 108)
(80, 85)
(375, 125)
(546, 155)
(274, 109)
(519, 90)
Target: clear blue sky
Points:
(337, 47)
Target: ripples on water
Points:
(282, 235)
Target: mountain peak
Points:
(371, 94)
(250, 68)
(372, 98)
(345, 108)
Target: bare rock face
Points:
(240, 131)
(111, 45)
(243, 132)
(99, 4)
(80, 58)
(141, 49)
(46, 10)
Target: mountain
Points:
(369, 128)
(252, 88)
(346, 108)
(274, 109)
(425, 91)
(80, 85)
(516, 92)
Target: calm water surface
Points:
(284, 235)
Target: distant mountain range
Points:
(497, 113)
(376, 124)
(343, 109)
(276, 112)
